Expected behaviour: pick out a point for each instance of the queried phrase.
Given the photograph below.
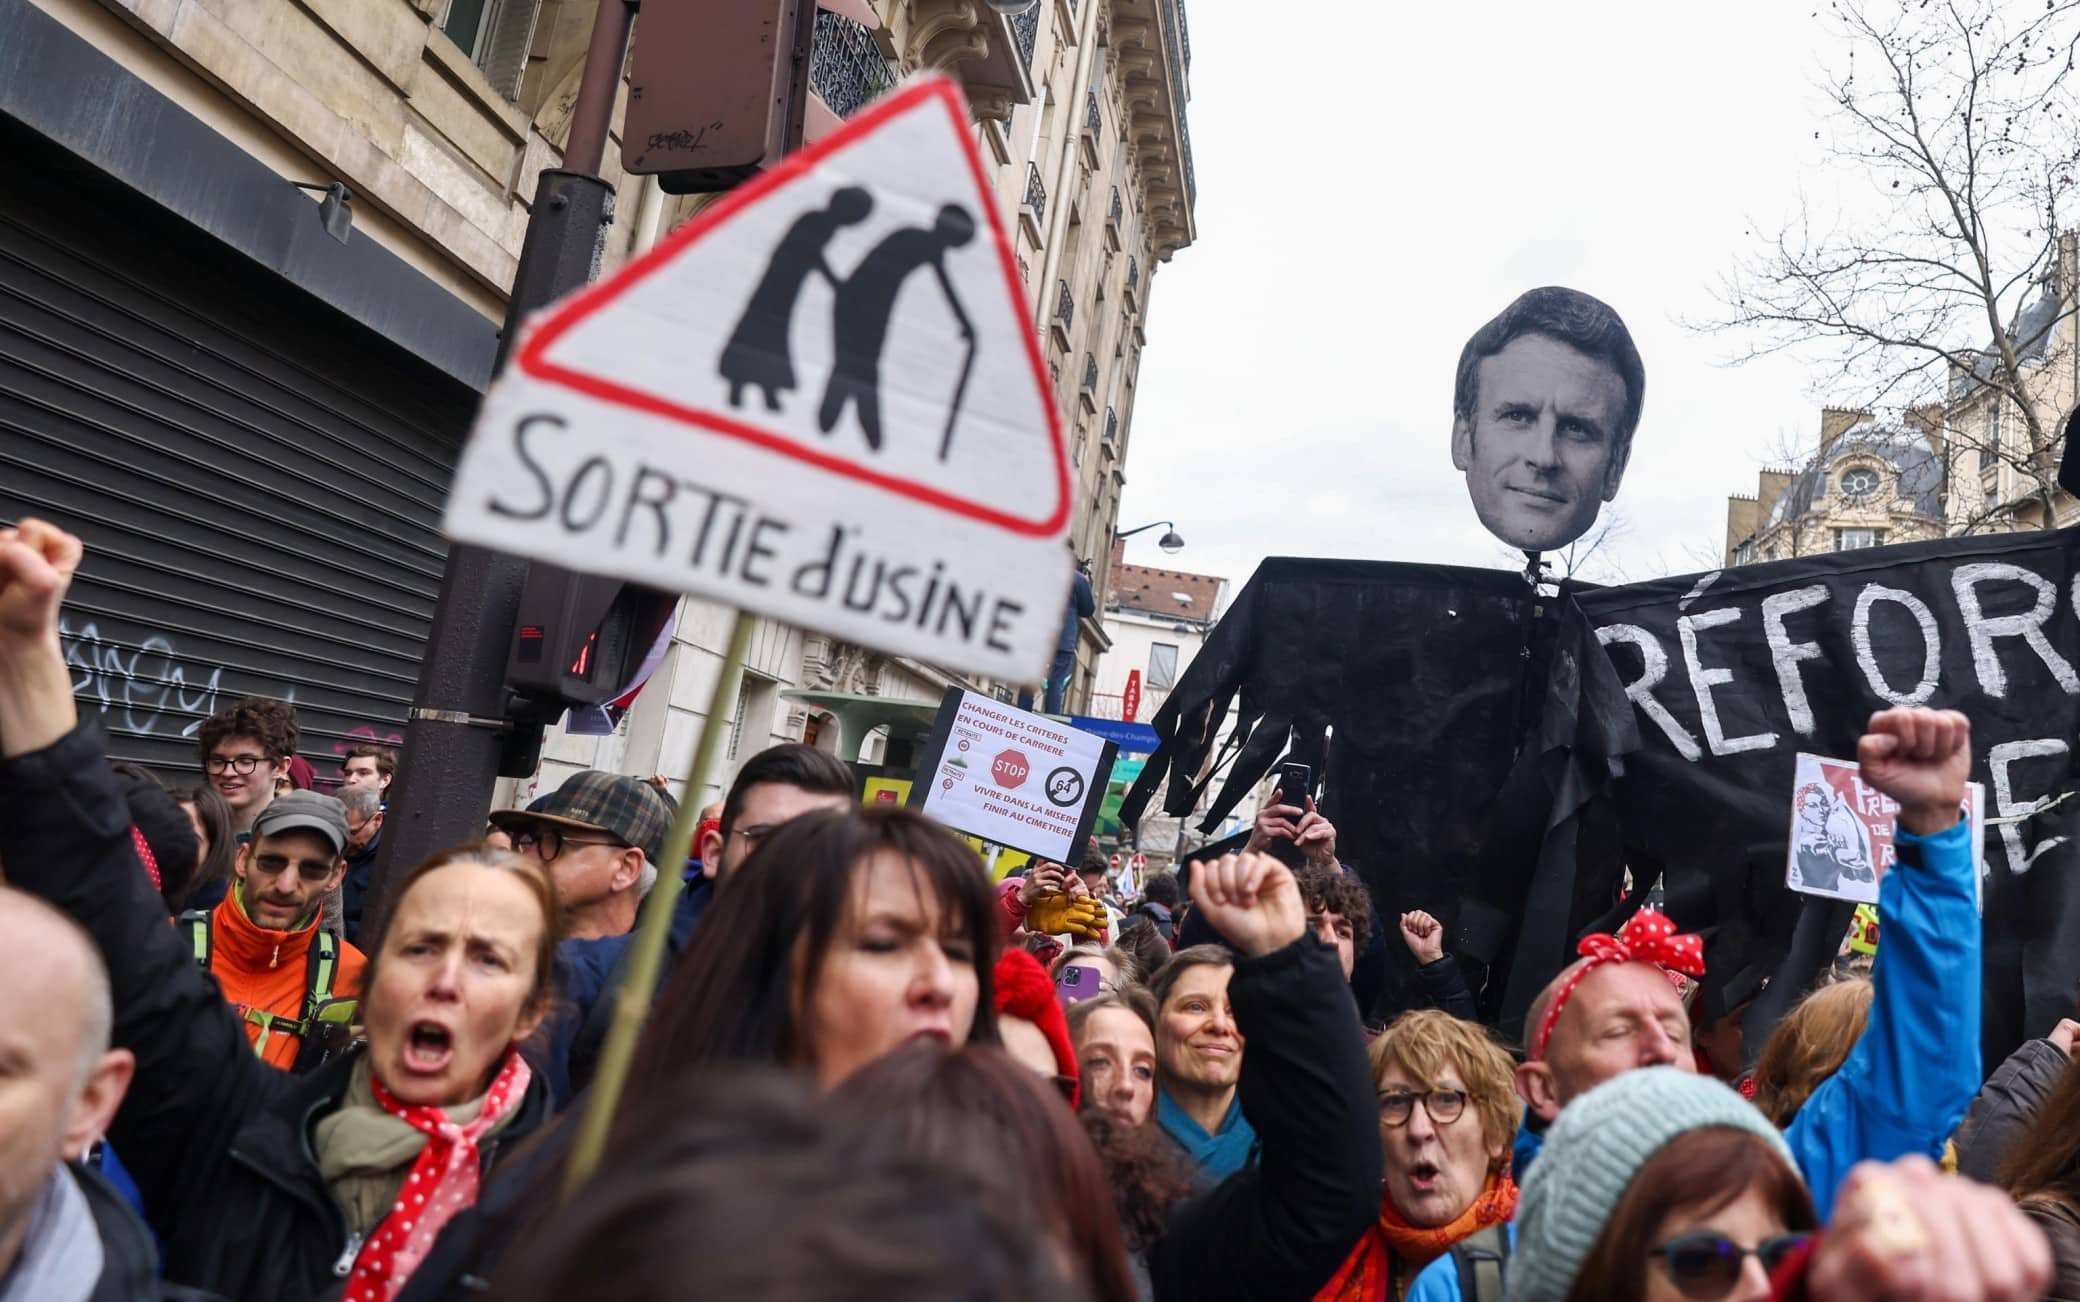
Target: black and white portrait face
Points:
(1547, 397)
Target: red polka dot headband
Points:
(1648, 938)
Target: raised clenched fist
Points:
(1251, 900)
(1922, 759)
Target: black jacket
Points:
(1280, 1228)
(129, 1261)
(218, 1141)
(353, 888)
(2005, 1107)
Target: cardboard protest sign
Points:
(1841, 842)
(1013, 777)
(820, 400)
(1544, 406)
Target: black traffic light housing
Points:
(577, 640)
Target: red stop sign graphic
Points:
(1009, 769)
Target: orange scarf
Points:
(1389, 1254)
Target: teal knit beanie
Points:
(1595, 1148)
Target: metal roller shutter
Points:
(258, 480)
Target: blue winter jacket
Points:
(1906, 1085)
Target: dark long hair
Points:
(733, 996)
(761, 1192)
(980, 1110)
(2044, 1160)
(216, 825)
(1700, 1171)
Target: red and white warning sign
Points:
(821, 400)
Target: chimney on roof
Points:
(1836, 421)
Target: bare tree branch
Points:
(1962, 122)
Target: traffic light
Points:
(717, 89)
(578, 640)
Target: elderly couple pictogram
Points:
(759, 354)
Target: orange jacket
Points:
(266, 970)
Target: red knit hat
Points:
(1023, 990)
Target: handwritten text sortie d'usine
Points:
(629, 505)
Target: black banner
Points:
(1658, 724)
(1731, 673)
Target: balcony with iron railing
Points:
(1117, 208)
(1093, 120)
(1133, 274)
(1177, 44)
(1036, 194)
(847, 70)
(1090, 373)
(1025, 28)
(1112, 428)
(1064, 306)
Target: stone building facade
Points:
(1868, 485)
(189, 124)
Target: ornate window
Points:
(1859, 482)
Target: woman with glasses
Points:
(1663, 1186)
(1447, 1120)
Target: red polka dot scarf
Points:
(1648, 938)
(442, 1182)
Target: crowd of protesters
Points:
(871, 1073)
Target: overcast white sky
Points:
(1377, 180)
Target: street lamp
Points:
(1171, 541)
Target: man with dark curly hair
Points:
(245, 747)
(1339, 910)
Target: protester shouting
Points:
(263, 1185)
(846, 934)
(1447, 1114)
(1661, 1184)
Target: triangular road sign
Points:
(822, 399)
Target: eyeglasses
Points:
(1706, 1265)
(311, 870)
(236, 763)
(1444, 1106)
(753, 835)
(547, 843)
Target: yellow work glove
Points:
(1055, 914)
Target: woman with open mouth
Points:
(261, 1184)
(1447, 1119)
(847, 934)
